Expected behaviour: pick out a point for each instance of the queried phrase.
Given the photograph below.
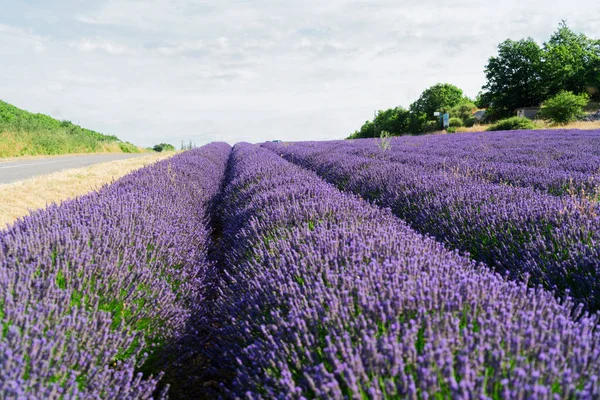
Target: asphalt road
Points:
(13, 171)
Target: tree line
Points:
(563, 72)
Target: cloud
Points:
(102, 45)
(170, 70)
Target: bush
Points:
(455, 122)
(511, 124)
(563, 108)
(463, 110)
(396, 121)
(163, 147)
(469, 121)
(431, 126)
(127, 147)
(451, 129)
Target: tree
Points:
(464, 110)
(514, 78)
(393, 120)
(564, 107)
(524, 74)
(163, 147)
(366, 130)
(440, 97)
(396, 121)
(593, 75)
(571, 62)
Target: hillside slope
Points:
(25, 133)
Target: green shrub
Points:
(127, 147)
(469, 121)
(511, 124)
(431, 126)
(463, 110)
(455, 122)
(163, 147)
(451, 129)
(563, 108)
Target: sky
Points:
(157, 71)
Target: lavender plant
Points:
(326, 296)
(553, 240)
(91, 288)
(556, 162)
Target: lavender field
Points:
(445, 266)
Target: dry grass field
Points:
(18, 198)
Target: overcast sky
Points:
(171, 70)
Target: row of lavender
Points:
(572, 150)
(557, 162)
(516, 230)
(91, 288)
(327, 296)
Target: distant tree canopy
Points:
(571, 62)
(419, 117)
(440, 97)
(525, 74)
(522, 74)
(163, 147)
(393, 120)
(514, 77)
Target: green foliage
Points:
(510, 124)
(163, 147)
(455, 122)
(514, 78)
(127, 147)
(25, 133)
(470, 121)
(441, 97)
(419, 118)
(524, 74)
(451, 129)
(417, 122)
(396, 121)
(482, 100)
(366, 130)
(431, 126)
(563, 108)
(572, 62)
(464, 110)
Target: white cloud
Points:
(184, 47)
(169, 70)
(13, 30)
(100, 44)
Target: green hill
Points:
(25, 133)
